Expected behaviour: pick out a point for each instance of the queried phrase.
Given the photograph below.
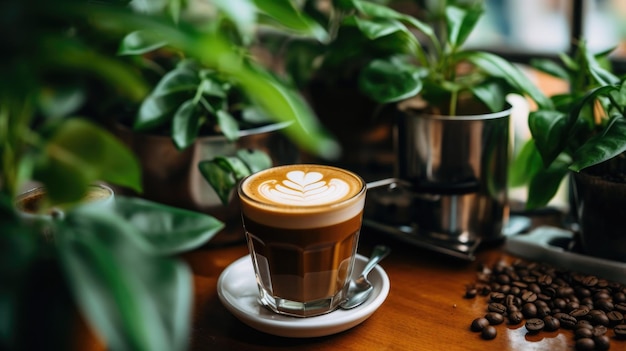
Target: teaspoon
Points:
(361, 288)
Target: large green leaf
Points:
(545, 183)
(256, 160)
(376, 28)
(221, 179)
(496, 66)
(525, 165)
(163, 229)
(134, 299)
(601, 147)
(549, 129)
(185, 125)
(80, 153)
(228, 125)
(491, 94)
(380, 11)
(284, 13)
(242, 13)
(460, 23)
(550, 67)
(386, 81)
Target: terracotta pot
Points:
(171, 176)
(600, 206)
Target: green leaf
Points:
(499, 67)
(134, 299)
(140, 42)
(550, 130)
(491, 94)
(242, 13)
(376, 28)
(80, 153)
(221, 180)
(545, 183)
(228, 125)
(166, 230)
(550, 67)
(602, 146)
(386, 81)
(256, 160)
(157, 110)
(460, 23)
(284, 13)
(180, 79)
(380, 11)
(185, 125)
(526, 164)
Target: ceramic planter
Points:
(171, 176)
(600, 205)
(456, 168)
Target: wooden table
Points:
(425, 309)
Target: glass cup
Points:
(302, 225)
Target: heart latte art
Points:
(304, 189)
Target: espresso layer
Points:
(304, 264)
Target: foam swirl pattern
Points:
(302, 196)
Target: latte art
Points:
(304, 189)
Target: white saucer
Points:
(238, 292)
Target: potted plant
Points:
(452, 128)
(113, 269)
(202, 128)
(581, 137)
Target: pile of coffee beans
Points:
(545, 298)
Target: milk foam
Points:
(304, 189)
(295, 196)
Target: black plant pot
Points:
(600, 202)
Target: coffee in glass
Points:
(302, 225)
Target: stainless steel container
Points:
(457, 170)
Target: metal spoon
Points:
(360, 288)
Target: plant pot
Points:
(171, 176)
(600, 205)
(457, 168)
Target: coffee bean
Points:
(620, 331)
(529, 296)
(585, 344)
(534, 325)
(494, 318)
(579, 312)
(615, 318)
(567, 321)
(599, 319)
(551, 323)
(529, 310)
(583, 333)
(599, 330)
(602, 342)
(584, 324)
(497, 297)
(515, 318)
(621, 307)
(479, 324)
(471, 292)
(604, 305)
(589, 281)
(496, 307)
(489, 332)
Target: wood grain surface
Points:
(425, 310)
